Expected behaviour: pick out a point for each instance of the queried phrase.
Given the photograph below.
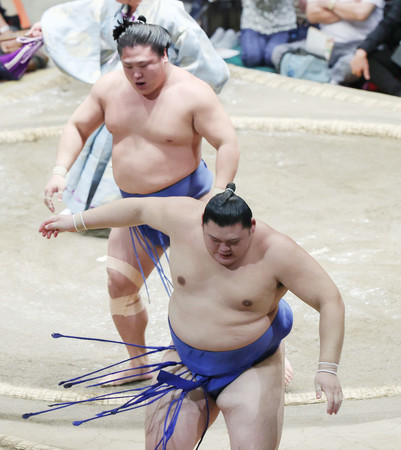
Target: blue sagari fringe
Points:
(136, 397)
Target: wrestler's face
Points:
(228, 245)
(145, 69)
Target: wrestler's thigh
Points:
(191, 420)
(253, 405)
(121, 246)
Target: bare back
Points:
(155, 143)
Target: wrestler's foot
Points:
(289, 372)
(124, 377)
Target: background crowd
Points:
(365, 36)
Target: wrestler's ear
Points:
(253, 225)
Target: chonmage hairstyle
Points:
(227, 208)
(130, 34)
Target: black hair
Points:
(227, 208)
(130, 34)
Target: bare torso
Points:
(154, 141)
(227, 308)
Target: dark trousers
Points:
(384, 73)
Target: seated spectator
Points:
(12, 68)
(301, 21)
(4, 26)
(264, 25)
(373, 60)
(348, 23)
(8, 22)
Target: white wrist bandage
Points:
(59, 170)
(78, 225)
(327, 367)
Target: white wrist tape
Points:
(327, 371)
(59, 170)
(327, 367)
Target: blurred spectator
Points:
(373, 58)
(348, 23)
(4, 26)
(264, 25)
(12, 66)
(8, 22)
(302, 22)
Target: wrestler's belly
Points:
(218, 332)
(144, 173)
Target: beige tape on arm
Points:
(126, 269)
(130, 305)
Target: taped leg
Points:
(126, 269)
(124, 282)
(130, 305)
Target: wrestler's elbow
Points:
(332, 306)
(330, 299)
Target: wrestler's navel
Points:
(247, 303)
(181, 280)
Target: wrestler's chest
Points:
(166, 123)
(249, 288)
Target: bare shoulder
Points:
(108, 83)
(275, 243)
(191, 86)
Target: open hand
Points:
(55, 185)
(330, 385)
(55, 224)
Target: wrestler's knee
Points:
(123, 278)
(118, 285)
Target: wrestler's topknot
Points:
(138, 32)
(227, 208)
(124, 25)
(121, 28)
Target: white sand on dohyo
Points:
(319, 162)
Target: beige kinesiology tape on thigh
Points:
(127, 270)
(130, 305)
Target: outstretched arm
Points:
(305, 278)
(160, 213)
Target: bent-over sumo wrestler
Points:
(227, 318)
